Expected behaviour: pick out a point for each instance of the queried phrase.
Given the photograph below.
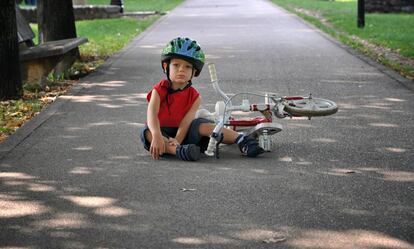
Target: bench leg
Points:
(36, 71)
(66, 63)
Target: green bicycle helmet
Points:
(186, 49)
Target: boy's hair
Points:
(186, 49)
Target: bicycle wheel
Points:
(311, 107)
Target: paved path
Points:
(77, 177)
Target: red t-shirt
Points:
(179, 103)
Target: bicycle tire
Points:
(311, 107)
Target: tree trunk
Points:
(56, 20)
(10, 80)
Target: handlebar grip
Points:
(212, 70)
(211, 147)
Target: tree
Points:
(56, 20)
(10, 80)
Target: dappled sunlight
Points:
(69, 136)
(88, 98)
(80, 171)
(14, 183)
(74, 129)
(213, 57)
(89, 201)
(112, 106)
(112, 211)
(349, 239)
(73, 190)
(398, 176)
(63, 220)
(103, 123)
(260, 171)
(149, 46)
(190, 241)
(287, 159)
(234, 238)
(384, 125)
(257, 234)
(16, 247)
(395, 149)
(395, 99)
(139, 125)
(36, 187)
(224, 168)
(113, 83)
(103, 206)
(141, 96)
(114, 101)
(14, 207)
(386, 175)
(83, 148)
(15, 175)
(389, 175)
(121, 157)
(20, 179)
(324, 140)
(350, 106)
(304, 163)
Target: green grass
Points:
(143, 5)
(392, 31)
(107, 36)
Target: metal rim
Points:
(311, 107)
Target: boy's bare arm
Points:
(185, 123)
(152, 113)
(157, 144)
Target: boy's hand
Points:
(157, 147)
(173, 141)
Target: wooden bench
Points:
(37, 61)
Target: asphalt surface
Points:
(77, 176)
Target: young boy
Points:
(171, 124)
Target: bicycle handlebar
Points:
(214, 82)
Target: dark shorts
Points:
(193, 137)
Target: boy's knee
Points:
(205, 129)
(146, 137)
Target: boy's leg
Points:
(169, 149)
(195, 137)
(229, 136)
(247, 145)
(188, 152)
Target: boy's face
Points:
(181, 72)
